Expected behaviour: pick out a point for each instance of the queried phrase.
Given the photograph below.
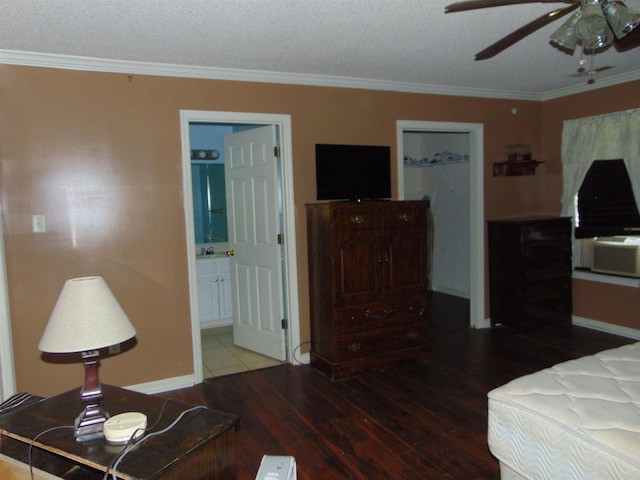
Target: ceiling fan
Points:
(595, 25)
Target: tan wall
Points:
(99, 155)
(594, 300)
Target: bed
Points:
(577, 420)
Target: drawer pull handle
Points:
(405, 217)
(354, 347)
(413, 335)
(357, 219)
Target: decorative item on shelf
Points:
(443, 158)
(411, 161)
(87, 318)
(518, 152)
(205, 154)
(519, 162)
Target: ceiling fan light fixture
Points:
(598, 42)
(565, 38)
(592, 29)
(621, 19)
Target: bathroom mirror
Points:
(207, 175)
(209, 202)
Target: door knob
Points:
(230, 253)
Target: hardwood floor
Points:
(415, 421)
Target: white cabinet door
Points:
(214, 292)
(208, 298)
(224, 295)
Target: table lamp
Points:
(86, 318)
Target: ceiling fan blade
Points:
(522, 32)
(476, 4)
(591, 72)
(632, 40)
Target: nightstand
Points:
(200, 446)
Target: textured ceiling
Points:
(408, 42)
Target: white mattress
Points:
(577, 420)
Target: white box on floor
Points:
(274, 467)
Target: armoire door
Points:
(357, 254)
(405, 248)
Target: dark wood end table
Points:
(200, 446)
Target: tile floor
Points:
(221, 357)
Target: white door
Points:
(251, 174)
(7, 371)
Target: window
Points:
(605, 201)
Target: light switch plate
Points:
(38, 224)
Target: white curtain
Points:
(604, 137)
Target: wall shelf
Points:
(515, 167)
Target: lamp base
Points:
(88, 425)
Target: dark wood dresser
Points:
(368, 284)
(530, 271)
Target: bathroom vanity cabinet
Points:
(214, 291)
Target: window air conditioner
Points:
(617, 255)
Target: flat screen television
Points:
(353, 172)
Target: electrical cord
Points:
(31, 445)
(18, 400)
(293, 354)
(132, 443)
(132, 439)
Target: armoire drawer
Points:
(541, 291)
(351, 320)
(549, 270)
(555, 311)
(353, 217)
(547, 231)
(380, 342)
(534, 253)
(404, 214)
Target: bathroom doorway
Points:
(215, 350)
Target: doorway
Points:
(7, 371)
(467, 278)
(243, 121)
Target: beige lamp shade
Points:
(86, 317)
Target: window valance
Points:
(603, 137)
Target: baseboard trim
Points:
(164, 385)
(606, 327)
(302, 359)
(186, 381)
(486, 323)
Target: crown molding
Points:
(600, 83)
(68, 62)
(91, 64)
